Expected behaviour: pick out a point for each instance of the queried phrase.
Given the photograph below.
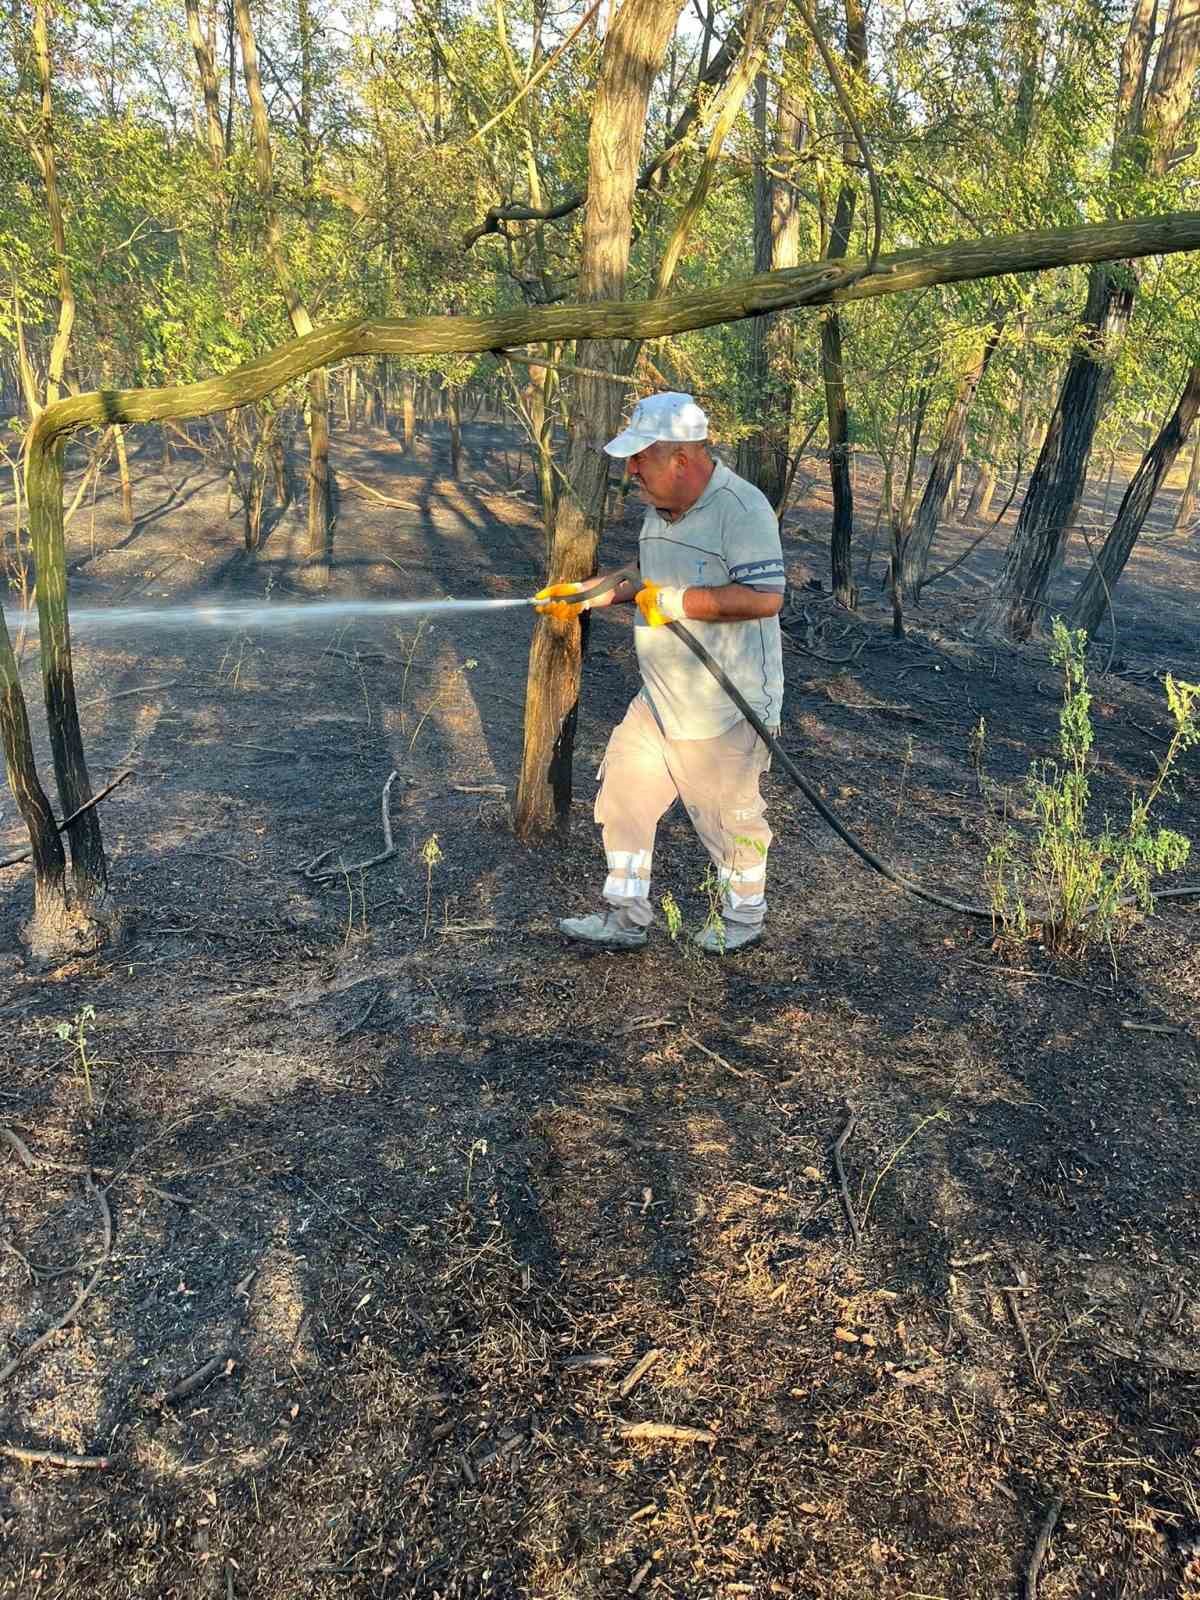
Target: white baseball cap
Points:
(675, 418)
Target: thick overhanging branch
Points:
(815, 283)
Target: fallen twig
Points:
(66, 823)
(19, 1148)
(630, 1383)
(195, 1380)
(1147, 1027)
(640, 1576)
(690, 1038)
(121, 694)
(73, 1309)
(587, 1358)
(51, 1458)
(1014, 1311)
(375, 494)
(356, 1025)
(310, 868)
(504, 1449)
(666, 1430)
(840, 1171)
(1040, 1548)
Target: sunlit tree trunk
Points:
(633, 53)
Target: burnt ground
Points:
(419, 1184)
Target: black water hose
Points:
(864, 852)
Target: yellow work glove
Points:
(560, 610)
(659, 605)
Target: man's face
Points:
(657, 472)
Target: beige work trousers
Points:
(644, 773)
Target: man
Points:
(709, 557)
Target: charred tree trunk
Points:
(832, 369)
(938, 496)
(1091, 602)
(1051, 503)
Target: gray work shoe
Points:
(608, 930)
(721, 939)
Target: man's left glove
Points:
(560, 610)
(659, 605)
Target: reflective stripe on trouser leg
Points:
(636, 788)
(718, 781)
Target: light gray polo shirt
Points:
(730, 535)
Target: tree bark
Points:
(208, 86)
(1091, 602)
(1187, 503)
(1016, 606)
(633, 53)
(408, 411)
(319, 527)
(44, 156)
(454, 418)
(126, 480)
(938, 496)
(763, 457)
(832, 367)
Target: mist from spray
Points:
(241, 617)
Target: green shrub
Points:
(1070, 886)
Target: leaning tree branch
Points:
(814, 283)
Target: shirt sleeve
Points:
(753, 552)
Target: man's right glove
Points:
(560, 610)
(659, 605)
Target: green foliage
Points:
(1069, 883)
(74, 1033)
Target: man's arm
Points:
(730, 602)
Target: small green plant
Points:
(673, 916)
(1074, 887)
(976, 742)
(74, 1033)
(712, 887)
(431, 855)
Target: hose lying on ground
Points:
(864, 852)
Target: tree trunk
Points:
(634, 48)
(319, 522)
(1187, 503)
(44, 156)
(1016, 605)
(454, 417)
(44, 932)
(832, 368)
(1091, 602)
(208, 86)
(408, 411)
(938, 496)
(126, 481)
(43, 493)
(764, 455)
